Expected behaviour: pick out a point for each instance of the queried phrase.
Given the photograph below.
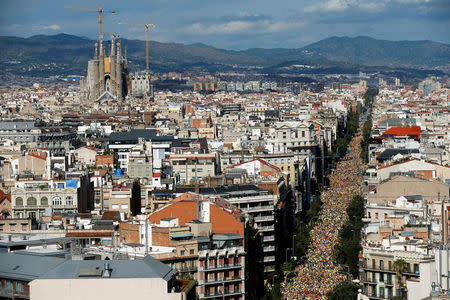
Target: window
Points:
(124, 206)
(416, 269)
(19, 286)
(115, 206)
(9, 285)
(191, 251)
(56, 201)
(44, 201)
(373, 263)
(303, 133)
(69, 200)
(381, 264)
(31, 201)
(390, 265)
(381, 277)
(19, 201)
(182, 253)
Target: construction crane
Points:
(100, 11)
(147, 29)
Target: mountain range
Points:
(68, 54)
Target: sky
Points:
(235, 24)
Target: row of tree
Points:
(347, 250)
(367, 127)
(349, 246)
(344, 139)
(301, 241)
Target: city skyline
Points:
(236, 25)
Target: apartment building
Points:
(221, 268)
(258, 205)
(286, 136)
(193, 167)
(379, 273)
(31, 199)
(140, 162)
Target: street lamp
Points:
(286, 253)
(293, 249)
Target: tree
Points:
(344, 291)
(273, 293)
(349, 246)
(400, 267)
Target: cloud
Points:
(13, 27)
(46, 27)
(333, 6)
(414, 1)
(241, 26)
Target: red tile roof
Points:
(402, 131)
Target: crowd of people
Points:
(320, 272)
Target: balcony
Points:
(266, 228)
(10, 294)
(232, 292)
(378, 269)
(187, 269)
(264, 218)
(269, 258)
(219, 294)
(370, 281)
(219, 280)
(257, 208)
(222, 267)
(269, 249)
(250, 199)
(210, 295)
(269, 238)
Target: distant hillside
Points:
(65, 54)
(371, 52)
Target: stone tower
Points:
(106, 75)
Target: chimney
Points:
(197, 188)
(107, 271)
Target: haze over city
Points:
(238, 24)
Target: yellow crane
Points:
(100, 11)
(147, 26)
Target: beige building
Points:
(427, 170)
(32, 201)
(120, 200)
(193, 167)
(85, 156)
(207, 132)
(389, 191)
(39, 278)
(379, 278)
(31, 163)
(140, 161)
(15, 225)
